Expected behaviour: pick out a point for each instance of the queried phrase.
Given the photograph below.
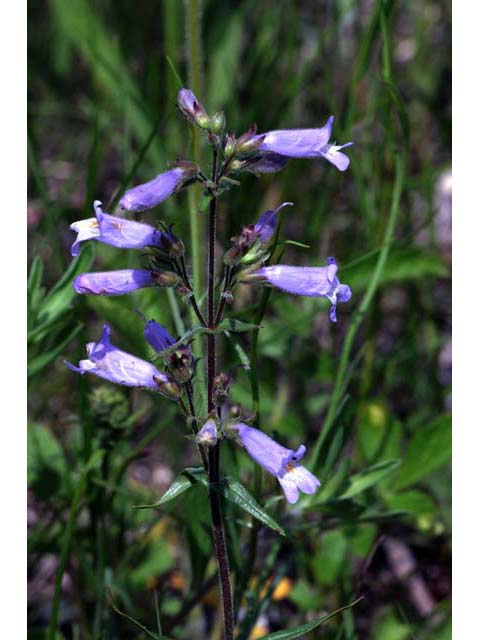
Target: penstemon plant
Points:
(247, 260)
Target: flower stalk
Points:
(218, 528)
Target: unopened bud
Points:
(221, 387)
(208, 434)
(167, 279)
(192, 108)
(229, 148)
(217, 122)
(170, 244)
(168, 388)
(180, 363)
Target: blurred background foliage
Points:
(102, 116)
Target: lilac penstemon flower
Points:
(106, 361)
(150, 194)
(118, 232)
(306, 281)
(114, 283)
(279, 461)
(301, 143)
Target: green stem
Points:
(338, 389)
(194, 48)
(66, 539)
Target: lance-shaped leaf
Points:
(299, 632)
(232, 490)
(369, 477)
(237, 326)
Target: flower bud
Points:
(167, 279)
(170, 244)
(168, 388)
(181, 363)
(221, 388)
(229, 148)
(208, 434)
(217, 122)
(192, 108)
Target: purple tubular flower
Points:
(150, 194)
(106, 361)
(305, 143)
(267, 223)
(308, 281)
(157, 337)
(279, 461)
(113, 283)
(118, 232)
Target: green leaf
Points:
(225, 67)
(60, 298)
(34, 288)
(241, 353)
(237, 326)
(46, 464)
(412, 263)
(298, 632)
(191, 333)
(181, 484)
(41, 361)
(429, 449)
(328, 562)
(294, 243)
(231, 489)
(370, 477)
(414, 502)
(236, 493)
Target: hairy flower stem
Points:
(201, 449)
(218, 528)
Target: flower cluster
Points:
(247, 260)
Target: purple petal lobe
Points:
(150, 194)
(113, 283)
(333, 154)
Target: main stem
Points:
(218, 529)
